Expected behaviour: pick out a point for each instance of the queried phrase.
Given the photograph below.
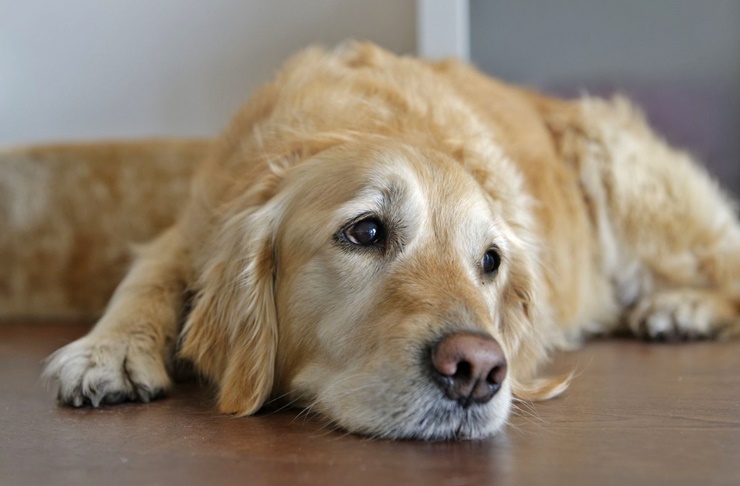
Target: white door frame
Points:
(443, 29)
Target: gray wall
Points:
(84, 69)
(680, 59)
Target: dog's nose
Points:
(469, 367)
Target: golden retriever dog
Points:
(398, 245)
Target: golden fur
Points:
(69, 212)
(601, 226)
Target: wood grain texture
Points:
(636, 414)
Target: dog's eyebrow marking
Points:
(394, 195)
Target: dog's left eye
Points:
(366, 232)
(491, 261)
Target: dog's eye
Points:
(491, 262)
(365, 232)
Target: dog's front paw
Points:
(98, 370)
(679, 315)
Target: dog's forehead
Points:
(432, 198)
(387, 180)
(421, 191)
(416, 181)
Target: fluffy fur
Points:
(69, 213)
(600, 225)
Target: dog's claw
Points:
(77, 401)
(95, 399)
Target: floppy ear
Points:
(529, 324)
(231, 333)
(528, 328)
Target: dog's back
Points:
(69, 213)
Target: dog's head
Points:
(380, 283)
(379, 286)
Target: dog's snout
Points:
(469, 367)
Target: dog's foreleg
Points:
(127, 353)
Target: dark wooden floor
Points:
(636, 414)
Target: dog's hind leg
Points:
(675, 256)
(126, 355)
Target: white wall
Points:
(547, 42)
(679, 59)
(443, 29)
(86, 69)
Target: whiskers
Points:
(277, 399)
(358, 403)
(337, 395)
(526, 411)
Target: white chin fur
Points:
(412, 412)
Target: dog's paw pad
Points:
(95, 372)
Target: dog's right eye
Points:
(491, 261)
(366, 232)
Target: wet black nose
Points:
(469, 368)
